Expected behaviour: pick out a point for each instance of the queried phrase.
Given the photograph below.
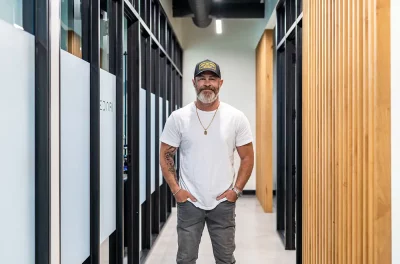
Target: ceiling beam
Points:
(242, 10)
(222, 10)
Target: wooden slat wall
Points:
(264, 96)
(346, 132)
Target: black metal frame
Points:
(133, 181)
(117, 256)
(29, 16)
(280, 192)
(149, 32)
(290, 168)
(42, 127)
(146, 77)
(156, 196)
(94, 60)
(116, 49)
(299, 187)
(163, 92)
(116, 40)
(289, 156)
(169, 109)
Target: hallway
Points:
(256, 239)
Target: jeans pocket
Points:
(182, 202)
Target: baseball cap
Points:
(207, 65)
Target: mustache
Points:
(207, 88)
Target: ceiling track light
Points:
(218, 24)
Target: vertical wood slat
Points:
(318, 111)
(359, 135)
(346, 132)
(264, 97)
(305, 140)
(382, 172)
(365, 132)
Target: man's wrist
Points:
(175, 189)
(237, 191)
(174, 193)
(238, 188)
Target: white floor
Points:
(256, 239)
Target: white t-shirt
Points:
(207, 161)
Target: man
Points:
(207, 132)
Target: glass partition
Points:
(105, 36)
(75, 159)
(17, 134)
(19, 13)
(107, 130)
(107, 162)
(74, 25)
(75, 133)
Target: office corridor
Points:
(108, 106)
(257, 240)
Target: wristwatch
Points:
(237, 191)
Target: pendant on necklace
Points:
(205, 132)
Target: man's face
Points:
(207, 85)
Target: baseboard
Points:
(253, 192)
(249, 192)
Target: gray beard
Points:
(207, 99)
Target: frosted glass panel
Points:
(107, 154)
(153, 142)
(142, 145)
(160, 132)
(167, 110)
(17, 146)
(75, 159)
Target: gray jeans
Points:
(221, 227)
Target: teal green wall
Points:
(269, 8)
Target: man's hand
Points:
(230, 195)
(182, 196)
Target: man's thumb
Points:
(221, 196)
(192, 198)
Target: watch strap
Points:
(237, 191)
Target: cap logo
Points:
(207, 65)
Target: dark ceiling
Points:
(223, 9)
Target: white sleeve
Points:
(243, 131)
(171, 134)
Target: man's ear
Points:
(221, 82)
(194, 82)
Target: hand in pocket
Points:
(182, 196)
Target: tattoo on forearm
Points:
(169, 159)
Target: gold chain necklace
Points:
(205, 129)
